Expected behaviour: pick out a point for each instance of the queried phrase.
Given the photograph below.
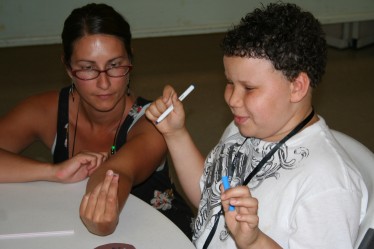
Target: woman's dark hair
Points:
(292, 39)
(94, 19)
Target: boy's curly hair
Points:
(292, 39)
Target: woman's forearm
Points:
(17, 168)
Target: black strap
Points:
(123, 130)
(214, 228)
(257, 169)
(61, 153)
(277, 146)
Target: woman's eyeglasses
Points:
(90, 74)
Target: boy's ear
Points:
(300, 87)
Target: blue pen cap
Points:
(226, 185)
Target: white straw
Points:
(182, 97)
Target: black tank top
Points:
(61, 150)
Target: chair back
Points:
(364, 160)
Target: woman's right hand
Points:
(99, 209)
(79, 167)
(175, 120)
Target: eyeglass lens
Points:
(94, 73)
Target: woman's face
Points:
(259, 97)
(100, 52)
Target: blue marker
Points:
(226, 185)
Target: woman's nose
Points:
(103, 81)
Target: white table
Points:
(31, 210)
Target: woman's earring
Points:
(128, 91)
(71, 91)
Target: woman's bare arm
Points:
(34, 119)
(133, 163)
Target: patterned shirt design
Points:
(246, 153)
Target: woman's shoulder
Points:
(37, 102)
(41, 102)
(33, 118)
(51, 95)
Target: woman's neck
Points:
(96, 118)
(89, 125)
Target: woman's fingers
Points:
(97, 160)
(111, 209)
(83, 206)
(101, 198)
(89, 210)
(99, 208)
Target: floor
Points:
(344, 98)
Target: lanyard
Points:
(276, 147)
(258, 168)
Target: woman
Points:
(94, 127)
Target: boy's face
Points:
(259, 97)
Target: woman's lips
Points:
(104, 96)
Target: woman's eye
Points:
(115, 64)
(87, 67)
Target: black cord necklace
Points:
(257, 169)
(113, 148)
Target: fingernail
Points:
(109, 172)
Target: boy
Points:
(293, 186)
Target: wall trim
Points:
(142, 33)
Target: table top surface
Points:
(42, 215)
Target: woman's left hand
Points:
(79, 167)
(99, 209)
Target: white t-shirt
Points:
(310, 194)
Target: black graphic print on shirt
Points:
(220, 162)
